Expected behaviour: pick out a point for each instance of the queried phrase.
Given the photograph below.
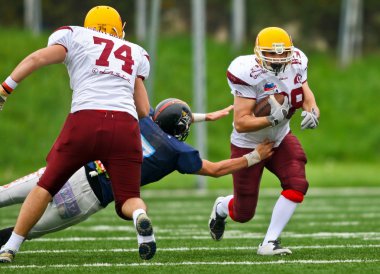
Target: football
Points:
(262, 107)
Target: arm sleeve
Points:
(61, 36)
(189, 162)
(144, 68)
(304, 64)
(237, 80)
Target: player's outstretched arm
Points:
(224, 167)
(212, 116)
(50, 55)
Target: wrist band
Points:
(199, 117)
(252, 158)
(9, 85)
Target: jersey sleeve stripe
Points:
(64, 27)
(235, 80)
(141, 77)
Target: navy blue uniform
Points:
(163, 154)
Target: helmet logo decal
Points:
(278, 48)
(174, 117)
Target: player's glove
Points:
(310, 119)
(2, 101)
(278, 112)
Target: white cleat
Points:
(145, 236)
(7, 255)
(273, 248)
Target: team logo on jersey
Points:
(270, 87)
(296, 60)
(256, 71)
(298, 79)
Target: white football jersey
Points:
(247, 79)
(102, 68)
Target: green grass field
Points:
(335, 230)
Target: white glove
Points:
(3, 98)
(278, 112)
(310, 119)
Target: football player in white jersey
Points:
(106, 76)
(276, 67)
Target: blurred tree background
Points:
(316, 23)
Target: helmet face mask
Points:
(174, 117)
(105, 19)
(274, 49)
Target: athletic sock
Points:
(222, 207)
(282, 212)
(136, 213)
(14, 242)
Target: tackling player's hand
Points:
(262, 151)
(265, 149)
(278, 112)
(213, 116)
(310, 119)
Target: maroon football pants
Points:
(287, 163)
(109, 136)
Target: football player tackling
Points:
(276, 67)
(89, 190)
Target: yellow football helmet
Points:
(105, 19)
(274, 49)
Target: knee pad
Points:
(231, 209)
(293, 195)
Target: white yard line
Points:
(185, 249)
(265, 192)
(228, 235)
(226, 263)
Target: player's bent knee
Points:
(242, 219)
(119, 211)
(293, 195)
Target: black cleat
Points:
(216, 223)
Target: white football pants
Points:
(73, 204)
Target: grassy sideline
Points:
(344, 150)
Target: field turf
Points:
(335, 230)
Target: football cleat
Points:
(273, 248)
(216, 223)
(7, 255)
(145, 236)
